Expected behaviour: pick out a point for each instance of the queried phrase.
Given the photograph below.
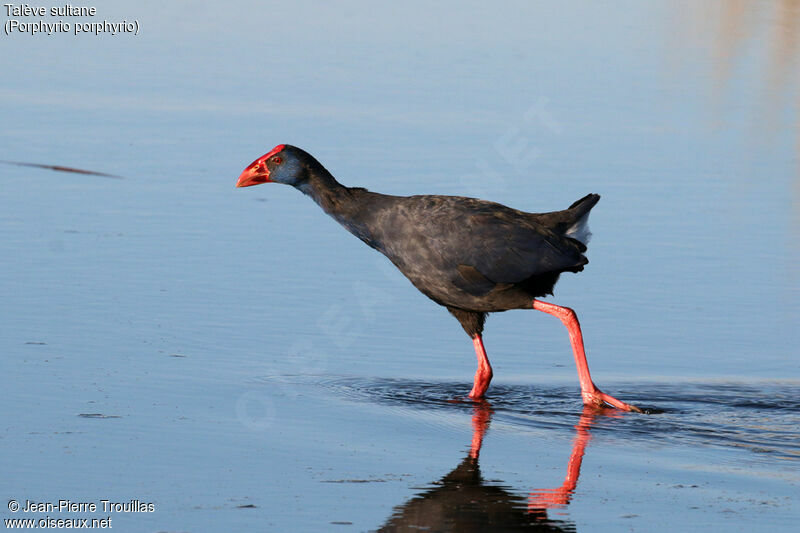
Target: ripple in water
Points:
(762, 417)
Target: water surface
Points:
(239, 360)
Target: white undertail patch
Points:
(580, 230)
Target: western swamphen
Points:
(472, 256)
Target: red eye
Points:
(277, 160)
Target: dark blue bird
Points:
(472, 256)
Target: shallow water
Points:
(237, 359)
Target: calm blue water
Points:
(240, 361)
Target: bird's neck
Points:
(333, 197)
(350, 207)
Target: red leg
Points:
(591, 394)
(484, 373)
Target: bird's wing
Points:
(509, 251)
(477, 246)
(492, 244)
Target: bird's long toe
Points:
(598, 398)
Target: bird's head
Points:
(283, 164)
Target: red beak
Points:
(257, 172)
(254, 174)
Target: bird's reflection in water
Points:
(462, 501)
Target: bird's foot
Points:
(477, 394)
(598, 398)
(481, 384)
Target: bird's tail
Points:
(579, 223)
